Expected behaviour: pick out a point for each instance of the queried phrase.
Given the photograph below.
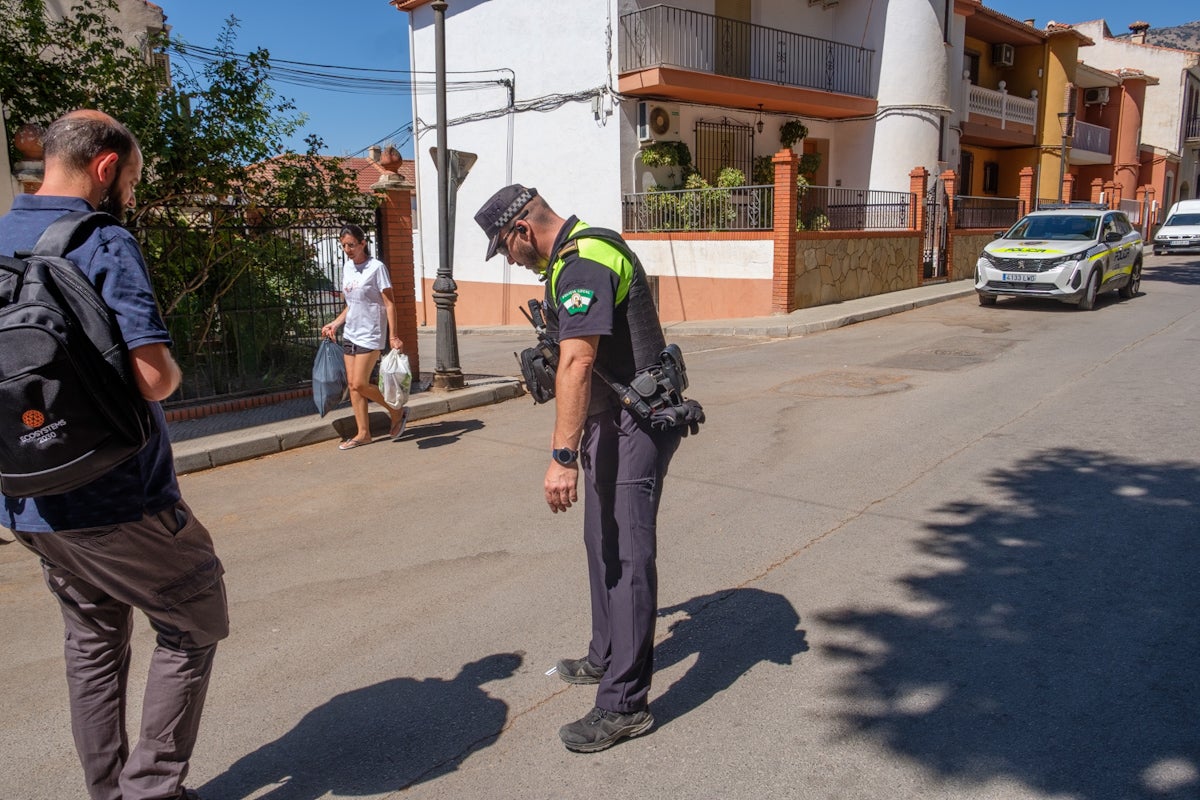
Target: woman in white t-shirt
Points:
(369, 314)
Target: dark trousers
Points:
(165, 566)
(624, 466)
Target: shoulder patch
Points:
(577, 301)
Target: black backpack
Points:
(69, 408)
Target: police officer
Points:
(598, 300)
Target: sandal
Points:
(350, 444)
(397, 429)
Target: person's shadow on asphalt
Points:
(377, 739)
(730, 631)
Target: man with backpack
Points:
(600, 313)
(125, 540)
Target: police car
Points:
(1070, 254)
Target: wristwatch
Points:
(564, 455)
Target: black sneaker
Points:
(579, 670)
(600, 729)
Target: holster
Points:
(538, 367)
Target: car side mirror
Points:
(998, 235)
(1113, 236)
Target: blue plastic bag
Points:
(329, 377)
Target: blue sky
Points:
(1159, 13)
(371, 33)
(348, 33)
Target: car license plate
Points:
(1018, 277)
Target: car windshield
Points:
(1183, 219)
(1079, 229)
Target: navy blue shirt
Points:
(586, 305)
(112, 260)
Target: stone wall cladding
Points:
(966, 250)
(834, 267)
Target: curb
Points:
(219, 449)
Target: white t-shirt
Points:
(366, 318)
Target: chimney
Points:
(1030, 22)
(1138, 35)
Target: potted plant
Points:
(791, 132)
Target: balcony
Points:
(685, 55)
(1090, 144)
(997, 117)
(1192, 129)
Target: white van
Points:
(1181, 230)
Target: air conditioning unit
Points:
(1003, 55)
(657, 122)
(1095, 96)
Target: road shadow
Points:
(729, 631)
(1063, 644)
(377, 739)
(441, 433)
(1183, 274)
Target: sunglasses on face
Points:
(502, 247)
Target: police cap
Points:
(499, 210)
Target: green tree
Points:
(224, 206)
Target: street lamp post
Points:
(1066, 121)
(447, 373)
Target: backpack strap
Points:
(70, 231)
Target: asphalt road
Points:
(950, 553)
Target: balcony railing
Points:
(1192, 129)
(1002, 106)
(713, 208)
(1092, 138)
(668, 36)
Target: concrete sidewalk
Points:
(250, 433)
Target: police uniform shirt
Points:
(585, 300)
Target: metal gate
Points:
(937, 223)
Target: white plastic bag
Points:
(395, 378)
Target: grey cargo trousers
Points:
(165, 566)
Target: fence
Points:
(743, 208)
(986, 212)
(662, 35)
(245, 291)
(829, 208)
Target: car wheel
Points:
(987, 299)
(1135, 283)
(1088, 301)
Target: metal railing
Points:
(1192, 128)
(714, 208)
(1001, 105)
(1092, 138)
(986, 212)
(245, 292)
(835, 208)
(669, 36)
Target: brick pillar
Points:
(1109, 193)
(783, 278)
(1068, 188)
(1114, 200)
(1025, 195)
(1097, 189)
(950, 181)
(396, 250)
(918, 181)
